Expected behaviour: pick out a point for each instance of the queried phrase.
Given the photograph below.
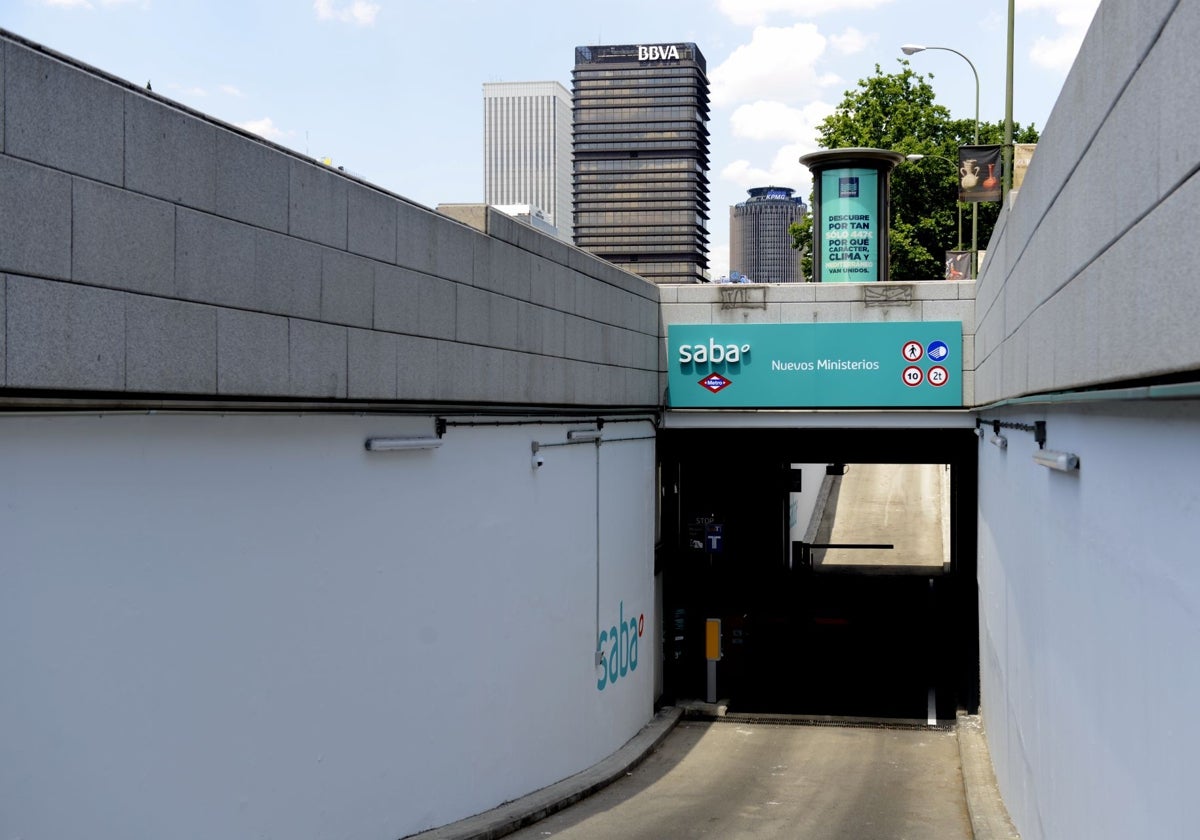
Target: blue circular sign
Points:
(937, 351)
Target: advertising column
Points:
(850, 224)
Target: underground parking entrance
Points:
(839, 562)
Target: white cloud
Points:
(785, 170)
(1072, 13)
(852, 41)
(777, 121)
(755, 12)
(1055, 53)
(359, 12)
(1074, 16)
(778, 63)
(265, 128)
(230, 90)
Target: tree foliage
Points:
(898, 111)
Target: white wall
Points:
(1090, 622)
(245, 626)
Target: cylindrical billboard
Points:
(851, 198)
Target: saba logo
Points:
(622, 657)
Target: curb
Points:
(511, 816)
(989, 817)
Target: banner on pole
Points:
(958, 265)
(979, 173)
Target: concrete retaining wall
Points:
(1090, 599)
(216, 624)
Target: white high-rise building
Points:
(527, 149)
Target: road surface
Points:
(736, 781)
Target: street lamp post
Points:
(1006, 171)
(912, 49)
(913, 158)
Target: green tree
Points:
(898, 111)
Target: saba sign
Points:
(915, 364)
(619, 645)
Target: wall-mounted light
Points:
(583, 434)
(386, 444)
(1061, 461)
(1000, 441)
(538, 458)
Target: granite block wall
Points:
(147, 250)
(1086, 283)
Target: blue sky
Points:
(392, 89)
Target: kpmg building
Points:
(641, 158)
(527, 150)
(760, 247)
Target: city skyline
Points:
(391, 90)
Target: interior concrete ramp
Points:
(888, 518)
(736, 781)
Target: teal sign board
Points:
(849, 229)
(891, 365)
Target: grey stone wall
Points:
(149, 251)
(1089, 277)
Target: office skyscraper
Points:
(527, 148)
(641, 158)
(759, 244)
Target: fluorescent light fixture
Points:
(1000, 441)
(383, 444)
(1061, 461)
(583, 434)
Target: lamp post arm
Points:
(974, 72)
(909, 50)
(974, 205)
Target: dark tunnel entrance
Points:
(840, 564)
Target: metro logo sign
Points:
(658, 53)
(715, 382)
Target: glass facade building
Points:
(527, 149)
(641, 158)
(760, 248)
